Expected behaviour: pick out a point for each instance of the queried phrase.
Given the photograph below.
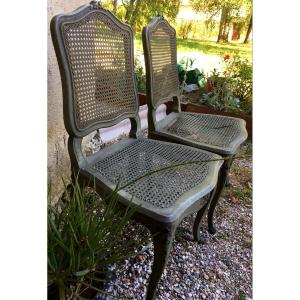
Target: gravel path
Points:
(218, 267)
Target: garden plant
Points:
(84, 239)
(230, 89)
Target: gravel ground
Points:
(218, 267)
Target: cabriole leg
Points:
(200, 214)
(220, 185)
(162, 241)
(227, 183)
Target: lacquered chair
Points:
(95, 56)
(218, 134)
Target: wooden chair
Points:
(218, 134)
(95, 56)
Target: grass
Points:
(213, 48)
(207, 47)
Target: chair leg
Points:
(227, 183)
(197, 222)
(162, 241)
(214, 201)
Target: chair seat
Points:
(164, 195)
(220, 134)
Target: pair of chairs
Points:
(95, 56)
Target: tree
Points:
(115, 5)
(227, 9)
(137, 13)
(248, 30)
(224, 25)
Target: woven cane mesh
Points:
(213, 130)
(164, 63)
(161, 189)
(99, 55)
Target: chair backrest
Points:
(159, 42)
(95, 55)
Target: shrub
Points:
(231, 88)
(184, 29)
(240, 70)
(140, 75)
(220, 95)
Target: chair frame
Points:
(175, 107)
(163, 229)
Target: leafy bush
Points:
(230, 89)
(199, 29)
(240, 70)
(140, 75)
(184, 29)
(83, 239)
(220, 95)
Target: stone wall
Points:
(58, 160)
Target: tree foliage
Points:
(213, 7)
(137, 13)
(228, 10)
